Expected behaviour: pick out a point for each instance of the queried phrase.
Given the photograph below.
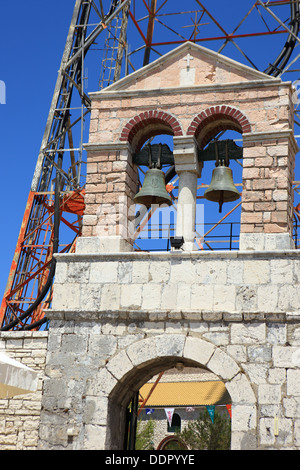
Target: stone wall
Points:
(235, 313)
(118, 318)
(20, 416)
(239, 285)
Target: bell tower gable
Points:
(186, 66)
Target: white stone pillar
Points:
(189, 170)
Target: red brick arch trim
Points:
(150, 123)
(216, 119)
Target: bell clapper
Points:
(221, 200)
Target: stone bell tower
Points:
(119, 316)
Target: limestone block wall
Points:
(119, 319)
(20, 416)
(240, 285)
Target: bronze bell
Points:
(222, 188)
(153, 190)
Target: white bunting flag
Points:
(169, 413)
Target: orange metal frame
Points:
(26, 282)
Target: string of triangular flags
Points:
(170, 411)
(211, 411)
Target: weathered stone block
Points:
(95, 411)
(198, 350)
(91, 296)
(151, 296)
(269, 394)
(202, 297)
(103, 383)
(248, 334)
(66, 296)
(267, 298)
(293, 382)
(120, 364)
(244, 418)
(240, 390)
(104, 272)
(95, 437)
(110, 297)
(169, 345)
(221, 364)
(131, 296)
(246, 298)
(224, 298)
(256, 272)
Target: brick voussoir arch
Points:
(147, 119)
(215, 114)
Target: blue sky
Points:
(32, 39)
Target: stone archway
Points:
(126, 372)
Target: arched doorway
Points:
(143, 359)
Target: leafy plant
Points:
(145, 435)
(203, 434)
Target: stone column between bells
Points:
(188, 169)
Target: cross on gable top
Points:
(188, 59)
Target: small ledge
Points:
(158, 316)
(177, 255)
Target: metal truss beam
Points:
(30, 268)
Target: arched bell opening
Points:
(152, 156)
(218, 132)
(147, 125)
(220, 190)
(155, 215)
